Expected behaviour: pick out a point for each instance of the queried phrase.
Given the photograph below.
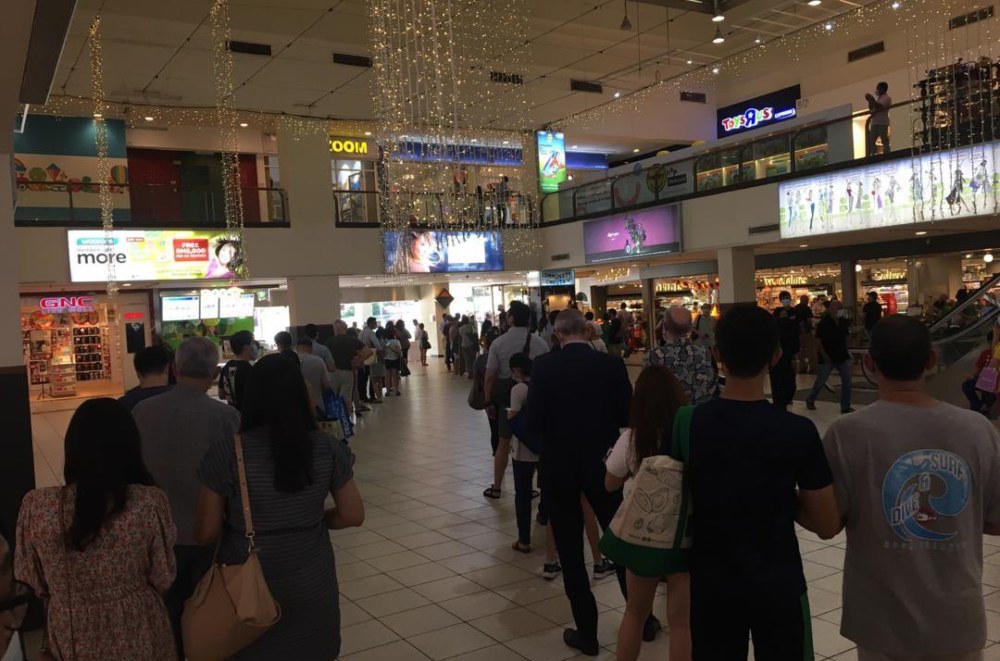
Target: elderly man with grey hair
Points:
(689, 362)
(177, 429)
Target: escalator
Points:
(958, 339)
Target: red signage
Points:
(190, 250)
(67, 303)
(133, 316)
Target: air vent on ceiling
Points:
(249, 48)
(585, 86)
(971, 17)
(866, 51)
(561, 257)
(694, 97)
(506, 78)
(352, 60)
(764, 229)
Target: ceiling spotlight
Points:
(368, 132)
(757, 40)
(988, 257)
(803, 245)
(828, 26)
(243, 125)
(717, 15)
(626, 25)
(98, 115)
(148, 118)
(715, 70)
(921, 233)
(617, 94)
(815, 3)
(690, 62)
(968, 255)
(635, 151)
(895, 5)
(718, 39)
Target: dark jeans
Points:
(524, 475)
(562, 503)
(783, 381)
(823, 373)
(878, 132)
(363, 373)
(193, 562)
(979, 400)
(724, 620)
(449, 356)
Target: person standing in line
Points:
(455, 335)
(177, 429)
(479, 372)
(807, 340)
(628, 320)
(449, 354)
(376, 384)
(499, 381)
(755, 471)
(470, 345)
(832, 335)
(596, 341)
(404, 336)
(503, 320)
(370, 340)
(616, 338)
(783, 384)
(878, 124)
(658, 395)
(523, 460)
(393, 361)
(315, 373)
(283, 340)
(319, 350)
(235, 373)
(349, 354)
(690, 363)
(425, 345)
(918, 483)
(872, 312)
(99, 551)
(292, 468)
(152, 366)
(703, 332)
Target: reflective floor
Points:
(431, 575)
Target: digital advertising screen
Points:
(151, 255)
(428, 251)
(929, 188)
(640, 233)
(551, 160)
(181, 308)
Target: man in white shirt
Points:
(370, 340)
(878, 125)
(499, 380)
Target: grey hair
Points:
(678, 320)
(197, 358)
(571, 322)
(340, 327)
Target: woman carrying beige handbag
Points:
(291, 467)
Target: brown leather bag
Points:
(232, 605)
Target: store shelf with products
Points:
(62, 379)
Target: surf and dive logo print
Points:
(922, 491)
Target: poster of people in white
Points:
(931, 187)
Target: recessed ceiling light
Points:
(815, 3)
(243, 125)
(148, 118)
(803, 245)
(368, 132)
(895, 5)
(690, 62)
(718, 17)
(635, 151)
(718, 39)
(757, 40)
(828, 26)
(969, 256)
(126, 284)
(617, 94)
(715, 70)
(98, 115)
(921, 233)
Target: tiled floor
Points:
(431, 575)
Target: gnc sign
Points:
(67, 303)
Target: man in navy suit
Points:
(578, 400)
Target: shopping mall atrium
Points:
(201, 168)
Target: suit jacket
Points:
(578, 400)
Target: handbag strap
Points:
(241, 470)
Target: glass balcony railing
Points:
(360, 208)
(144, 205)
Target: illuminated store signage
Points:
(757, 112)
(349, 146)
(67, 303)
(560, 278)
(941, 186)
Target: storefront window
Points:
(354, 190)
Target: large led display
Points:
(639, 233)
(425, 251)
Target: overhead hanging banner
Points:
(929, 188)
(151, 255)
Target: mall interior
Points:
(202, 167)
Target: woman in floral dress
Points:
(100, 550)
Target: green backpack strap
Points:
(680, 448)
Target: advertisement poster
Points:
(932, 187)
(551, 160)
(648, 232)
(420, 251)
(151, 255)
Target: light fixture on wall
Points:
(626, 25)
(718, 39)
(857, 268)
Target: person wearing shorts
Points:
(348, 354)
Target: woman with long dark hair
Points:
(100, 550)
(291, 466)
(658, 395)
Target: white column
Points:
(737, 275)
(313, 299)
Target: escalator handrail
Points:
(988, 319)
(973, 299)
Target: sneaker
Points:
(603, 568)
(846, 411)
(573, 639)
(551, 570)
(811, 404)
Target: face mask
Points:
(786, 302)
(842, 314)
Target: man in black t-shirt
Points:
(783, 372)
(832, 332)
(872, 311)
(755, 471)
(349, 353)
(236, 373)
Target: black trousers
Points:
(783, 382)
(562, 491)
(880, 133)
(193, 562)
(363, 373)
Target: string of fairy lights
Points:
(101, 137)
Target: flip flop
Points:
(492, 492)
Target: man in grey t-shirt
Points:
(314, 373)
(918, 483)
